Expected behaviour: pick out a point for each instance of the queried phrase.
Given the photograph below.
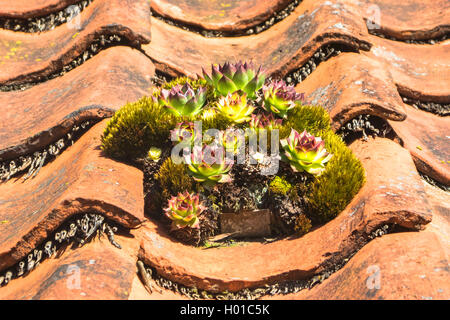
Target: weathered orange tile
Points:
(419, 71)
(28, 57)
(139, 292)
(218, 15)
(426, 136)
(31, 8)
(96, 271)
(34, 118)
(393, 194)
(80, 180)
(400, 266)
(292, 41)
(409, 19)
(440, 202)
(406, 270)
(352, 84)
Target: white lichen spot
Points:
(338, 26)
(419, 74)
(367, 91)
(336, 6)
(384, 53)
(155, 241)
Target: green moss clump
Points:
(313, 119)
(343, 177)
(280, 186)
(135, 128)
(217, 121)
(173, 179)
(302, 225)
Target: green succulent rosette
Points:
(232, 77)
(184, 210)
(183, 100)
(209, 165)
(279, 98)
(235, 107)
(304, 152)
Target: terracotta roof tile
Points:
(292, 42)
(420, 71)
(31, 8)
(97, 270)
(44, 113)
(393, 194)
(426, 136)
(26, 57)
(371, 79)
(80, 180)
(396, 266)
(215, 15)
(352, 84)
(408, 19)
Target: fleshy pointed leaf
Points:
(226, 85)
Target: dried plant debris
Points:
(161, 78)
(435, 183)
(433, 40)
(76, 231)
(234, 198)
(363, 126)
(32, 163)
(323, 54)
(287, 287)
(47, 22)
(439, 109)
(275, 18)
(101, 43)
(287, 211)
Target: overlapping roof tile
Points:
(81, 180)
(353, 57)
(393, 195)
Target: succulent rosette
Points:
(184, 132)
(304, 152)
(279, 98)
(231, 140)
(208, 165)
(183, 100)
(262, 121)
(232, 77)
(184, 210)
(234, 107)
(154, 154)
